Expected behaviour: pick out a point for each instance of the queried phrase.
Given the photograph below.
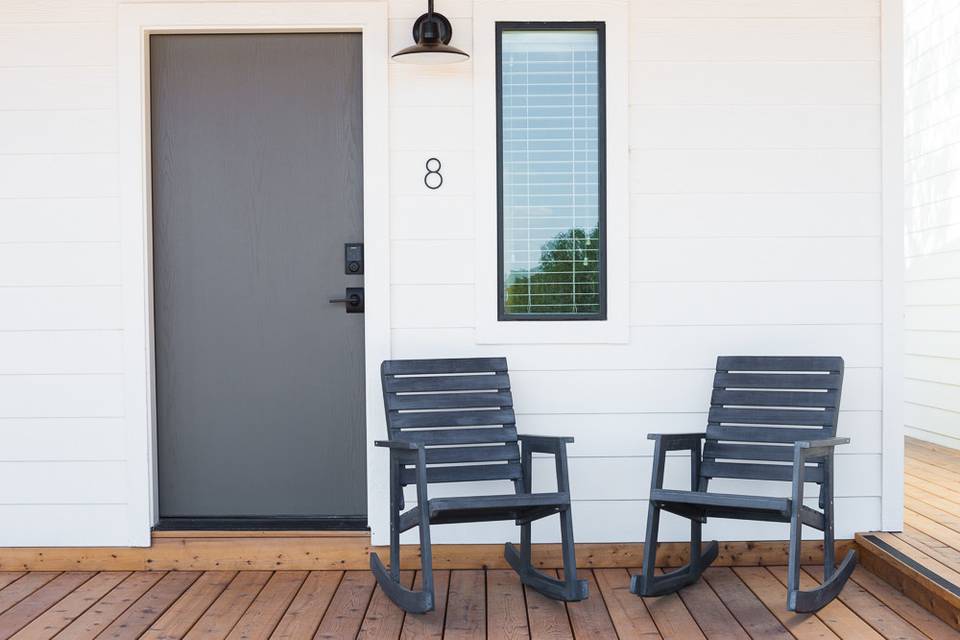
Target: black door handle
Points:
(353, 299)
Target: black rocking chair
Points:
(452, 420)
(765, 411)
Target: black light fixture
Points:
(432, 33)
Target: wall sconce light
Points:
(432, 33)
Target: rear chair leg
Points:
(649, 584)
(570, 588)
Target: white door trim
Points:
(891, 82)
(136, 22)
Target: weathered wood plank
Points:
(262, 616)
(548, 618)
(940, 547)
(906, 608)
(773, 594)
(223, 614)
(749, 611)
(708, 610)
(466, 605)
(150, 606)
(307, 609)
(71, 607)
(95, 619)
(21, 614)
(628, 613)
(506, 613)
(23, 587)
(345, 612)
(589, 618)
(383, 618)
(184, 613)
(428, 625)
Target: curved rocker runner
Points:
(764, 411)
(452, 420)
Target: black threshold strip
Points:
(913, 564)
(276, 523)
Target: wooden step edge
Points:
(911, 574)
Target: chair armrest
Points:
(819, 444)
(397, 444)
(677, 441)
(803, 450)
(544, 444)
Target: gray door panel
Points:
(257, 185)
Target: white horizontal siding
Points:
(65, 454)
(932, 220)
(754, 228)
(932, 241)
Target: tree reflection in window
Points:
(567, 279)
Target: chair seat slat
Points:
(464, 473)
(780, 363)
(785, 417)
(447, 383)
(426, 420)
(766, 434)
(794, 381)
(756, 471)
(444, 365)
(759, 398)
(449, 400)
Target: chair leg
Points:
(834, 578)
(570, 588)
(649, 584)
(409, 600)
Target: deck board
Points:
(730, 603)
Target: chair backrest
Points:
(761, 406)
(461, 409)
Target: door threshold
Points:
(273, 523)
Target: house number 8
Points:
(433, 179)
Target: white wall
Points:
(754, 227)
(932, 241)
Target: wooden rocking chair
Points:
(452, 421)
(765, 411)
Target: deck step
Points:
(914, 571)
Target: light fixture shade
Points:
(432, 33)
(430, 54)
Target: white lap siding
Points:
(932, 153)
(754, 227)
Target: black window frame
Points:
(600, 28)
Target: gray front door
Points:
(257, 186)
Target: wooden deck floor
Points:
(741, 602)
(932, 503)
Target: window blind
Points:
(550, 162)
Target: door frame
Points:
(136, 22)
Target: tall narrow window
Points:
(551, 200)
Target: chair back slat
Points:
(449, 383)
(755, 471)
(464, 473)
(761, 406)
(461, 410)
(450, 400)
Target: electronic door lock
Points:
(353, 258)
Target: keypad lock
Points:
(353, 258)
